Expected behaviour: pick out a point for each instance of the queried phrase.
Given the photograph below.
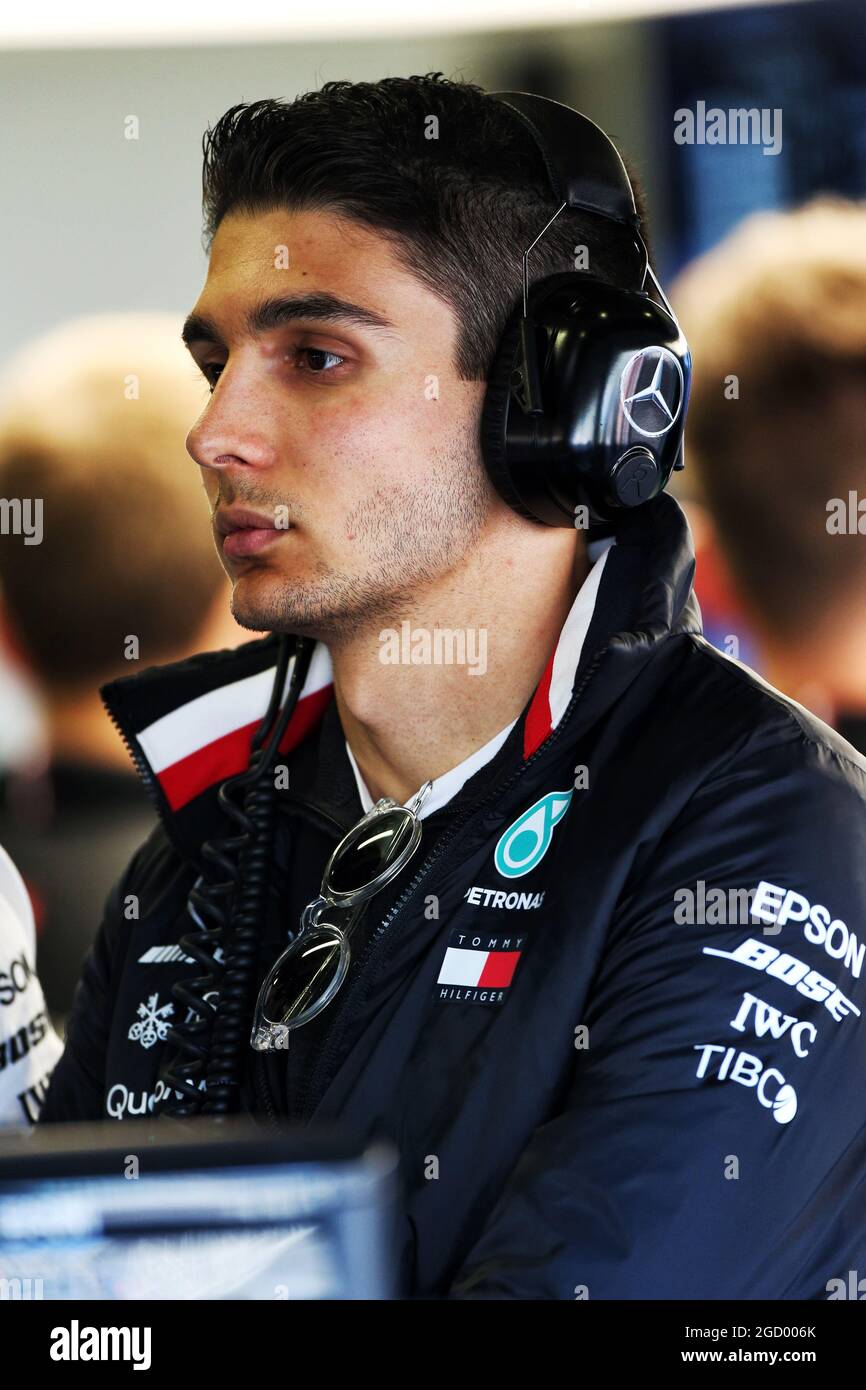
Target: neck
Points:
(419, 696)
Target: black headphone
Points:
(588, 390)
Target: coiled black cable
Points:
(205, 1064)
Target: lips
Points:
(245, 532)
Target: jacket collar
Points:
(189, 725)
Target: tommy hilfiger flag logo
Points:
(478, 968)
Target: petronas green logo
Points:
(525, 843)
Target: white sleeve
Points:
(29, 1046)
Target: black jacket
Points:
(619, 1046)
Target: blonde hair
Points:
(776, 319)
(93, 417)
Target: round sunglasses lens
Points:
(307, 976)
(368, 850)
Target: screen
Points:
(264, 1230)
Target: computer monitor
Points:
(196, 1210)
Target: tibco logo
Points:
(750, 1071)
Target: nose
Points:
(231, 432)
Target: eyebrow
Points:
(276, 312)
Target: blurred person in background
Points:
(118, 573)
(776, 319)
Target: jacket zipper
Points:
(320, 1077)
(141, 765)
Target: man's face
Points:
(353, 442)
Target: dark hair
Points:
(459, 209)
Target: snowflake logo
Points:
(153, 1024)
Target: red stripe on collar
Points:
(187, 778)
(539, 722)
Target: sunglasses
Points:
(305, 978)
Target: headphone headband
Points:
(584, 167)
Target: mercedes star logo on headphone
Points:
(651, 409)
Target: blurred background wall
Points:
(94, 220)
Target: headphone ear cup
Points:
(494, 417)
(612, 361)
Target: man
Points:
(602, 1076)
(92, 419)
(777, 313)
